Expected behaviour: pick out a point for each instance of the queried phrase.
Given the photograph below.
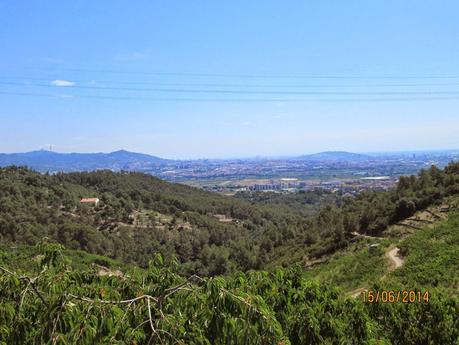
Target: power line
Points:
(257, 76)
(257, 100)
(243, 92)
(245, 75)
(154, 99)
(79, 81)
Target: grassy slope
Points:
(432, 257)
(354, 267)
(431, 260)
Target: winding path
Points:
(395, 261)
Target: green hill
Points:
(139, 216)
(117, 281)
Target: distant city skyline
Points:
(186, 80)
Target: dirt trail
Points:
(426, 218)
(395, 261)
(394, 258)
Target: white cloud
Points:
(63, 83)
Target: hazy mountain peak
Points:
(43, 160)
(335, 155)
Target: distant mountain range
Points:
(52, 161)
(44, 160)
(49, 161)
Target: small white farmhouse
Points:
(93, 201)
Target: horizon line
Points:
(258, 156)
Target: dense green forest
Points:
(210, 234)
(46, 299)
(161, 263)
(306, 202)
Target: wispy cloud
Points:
(62, 83)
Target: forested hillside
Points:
(51, 294)
(303, 202)
(139, 216)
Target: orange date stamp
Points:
(395, 296)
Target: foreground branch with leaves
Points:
(56, 304)
(61, 305)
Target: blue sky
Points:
(189, 79)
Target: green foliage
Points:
(432, 257)
(140, 215)
(55, 303)
(62, 305)
(57, 293)
(355, 267)
(303, 202)
(436, 322)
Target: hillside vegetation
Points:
(139, 216)
(210, 294)
(51, 302)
